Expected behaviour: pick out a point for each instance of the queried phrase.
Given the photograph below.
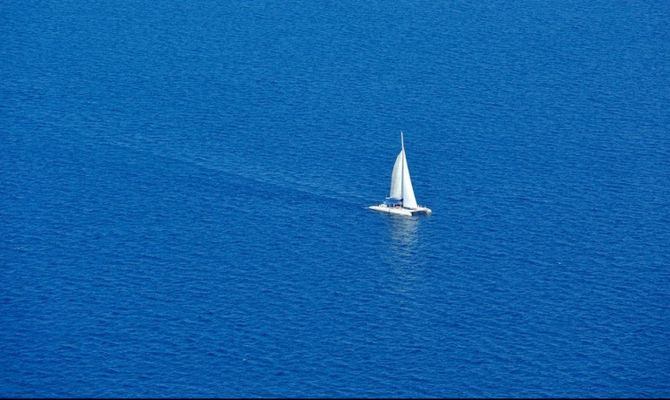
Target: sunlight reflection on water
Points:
(403, 243)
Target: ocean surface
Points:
(184, 191)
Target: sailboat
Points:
(401, 200)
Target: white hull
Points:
(407, 212)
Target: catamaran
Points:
(401, 200)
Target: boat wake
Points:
(253, 175)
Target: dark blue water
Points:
(183, 193)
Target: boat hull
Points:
(405, 212)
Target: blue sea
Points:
(184, 190)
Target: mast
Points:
(402, 174)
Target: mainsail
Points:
(408, 199)
(401, 183)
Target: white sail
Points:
(396, 178)
(408, 199)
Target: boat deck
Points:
(397, 210)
